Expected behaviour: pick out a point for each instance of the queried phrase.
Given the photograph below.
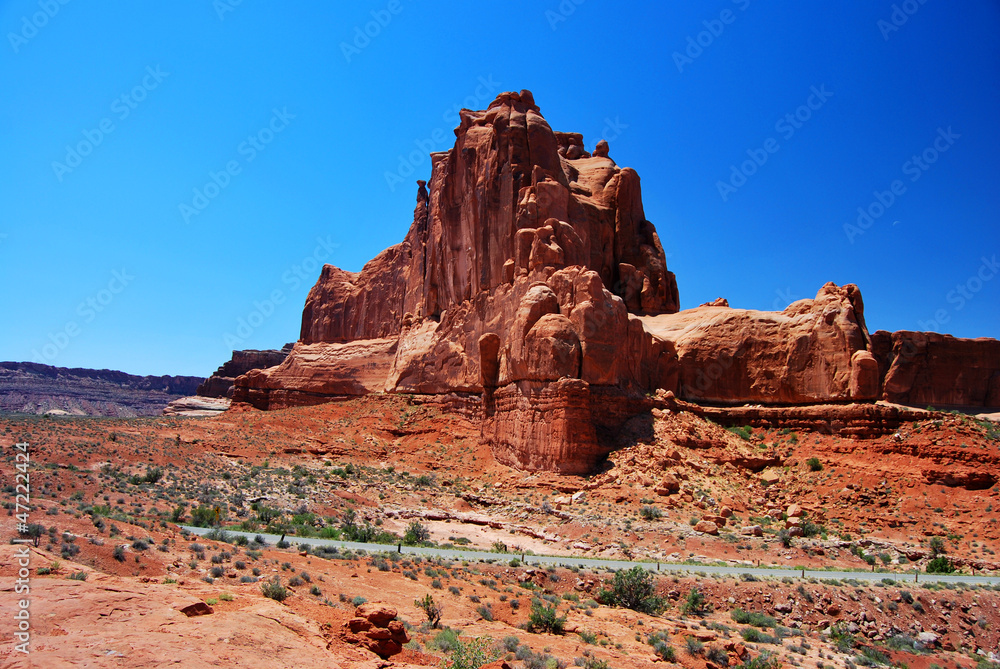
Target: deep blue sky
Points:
(778, 237)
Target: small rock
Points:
(197, 609)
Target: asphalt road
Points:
(568, 561)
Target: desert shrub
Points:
(814, 464)
(940, 565)
(650, 512)
(754, 635)
(745, 432)
(717, 655)
(274, 590)
(753, 618)
(695, 603)
(634, 589)
(474, 653)
(545, 618)
(694, 647)
(660, 641)
(430, 608)
(416, 533)
(205, 516)
(119, 553)
(762, 661)
(445, 640)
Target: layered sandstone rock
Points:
(531, 283)
(220, 384)
(506, 200)
(518, 280)
(927, 368)
(813, 351)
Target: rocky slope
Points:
(28, 387)
(532, 289)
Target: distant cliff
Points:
(28, 387)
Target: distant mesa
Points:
(532, 290)
(33, 388)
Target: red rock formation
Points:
(374, 626)
(927, 368)
(530, 277)
(220, 384)
(813, 351)
(507, 199)
(522, 238)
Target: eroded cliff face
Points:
(814, 351)
(531, 284)
(927, 368)
(511, 196)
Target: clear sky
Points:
(119, 249)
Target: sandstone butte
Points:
(531, 292)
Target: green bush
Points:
(206, 516)
(650, 512)
(634, 589)
(745, 432)
(694, 647)
(695, 603)
(660, 641)
(416, 533)
(545, 618)
(430, 608)
(446, 640)
(940, 565)
(754, 635)
(274, 590)
(814, 464)
(474, 653)
(753, 618)
(762, 661)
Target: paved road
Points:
(568, 561)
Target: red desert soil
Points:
(394, 460)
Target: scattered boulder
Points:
(707, 527)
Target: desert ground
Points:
(113, 569)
